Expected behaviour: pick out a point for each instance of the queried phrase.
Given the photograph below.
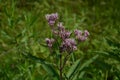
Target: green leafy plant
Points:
(62, 45)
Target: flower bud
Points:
(86, 33)
(49, 42)
(51, 18)
(68, 45)
(60, 26)
(77, 32)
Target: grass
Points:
(23, 28)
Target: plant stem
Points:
(60, 67)
(65, 60)
(62, 64)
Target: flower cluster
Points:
(67, 44)
(80, 35)
(51, 18)
(63, 34)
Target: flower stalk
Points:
(61, 67)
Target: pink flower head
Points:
(49, 42)
(77, 32)
(68, 45)
(70, 42)
(64, 34)
(51, 18)
(86, 33)
(80, 36)
(60, 26)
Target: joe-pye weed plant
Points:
(63, 43)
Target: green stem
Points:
(60, 67)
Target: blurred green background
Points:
(23, 29)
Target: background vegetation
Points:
(23, 29)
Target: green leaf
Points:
(48, 67)
(73, 68)
(113, 54)
(88, 62)
(50, 70)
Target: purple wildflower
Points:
(49, 42)
(77, 32)
(79, 35)
(60, 26)
(81, 38)
(51, 18)
(86, 33)
(64, 34)
(68, 45)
